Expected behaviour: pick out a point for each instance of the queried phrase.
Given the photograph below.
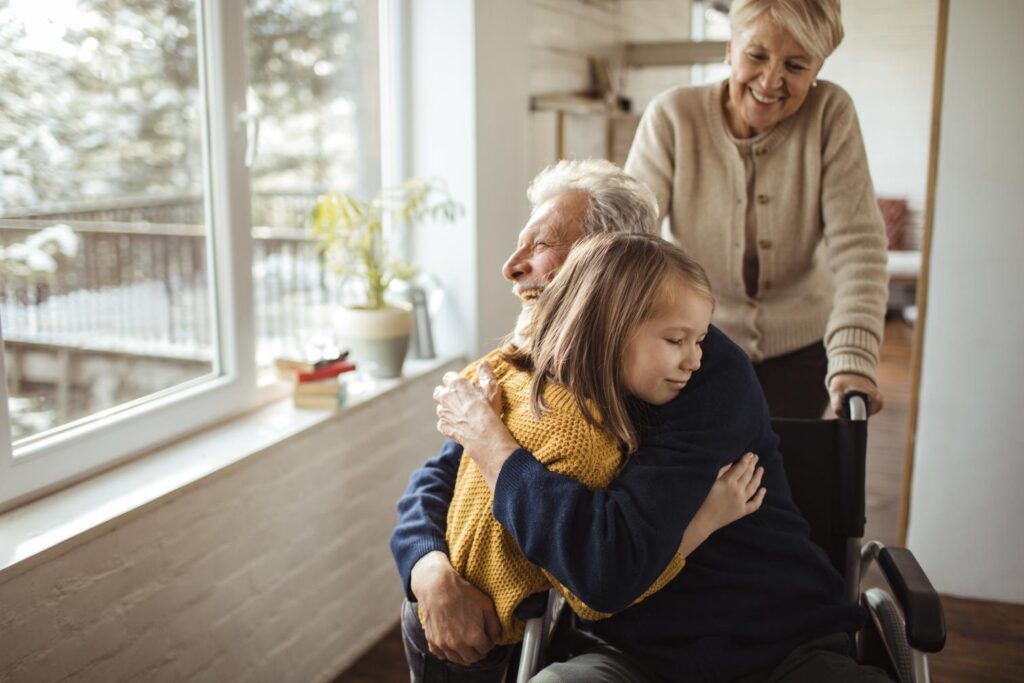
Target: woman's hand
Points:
(844, 383)
(468, 414)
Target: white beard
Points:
(523, 330)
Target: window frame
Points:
(110, 437)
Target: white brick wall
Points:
(276, 569)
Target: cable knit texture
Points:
(820, 239)
(479, 547)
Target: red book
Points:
(326, 371)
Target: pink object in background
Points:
(894, 213)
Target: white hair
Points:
(816, 25)
(618, 201)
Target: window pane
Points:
(714, 25)
(105, 291)
(313, 78)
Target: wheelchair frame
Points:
(909, 626)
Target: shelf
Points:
(675, 53)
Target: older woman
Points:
(765, 182)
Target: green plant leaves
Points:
(349, 231)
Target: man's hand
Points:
(489, 386)
(459, 620)
(466, 414)
(844, 383)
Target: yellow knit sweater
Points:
(479, 547)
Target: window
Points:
(157, 163)
(709, 20)
(313, 95)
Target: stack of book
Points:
(316, 386)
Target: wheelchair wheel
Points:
(889, 623)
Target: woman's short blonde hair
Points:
(817, 25)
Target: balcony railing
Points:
(138, 283)
(130, 313)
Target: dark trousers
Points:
(426, 668)
(823, 659)
(794, 383)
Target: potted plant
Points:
(350, 234)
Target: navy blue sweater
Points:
(747, 596)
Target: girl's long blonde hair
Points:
(610, 284)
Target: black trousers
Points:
(823, 659)
(794, 383)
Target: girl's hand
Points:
(736, 493)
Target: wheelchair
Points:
(825, 466)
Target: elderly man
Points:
(758, 601)
(570, 199)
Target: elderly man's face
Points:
(554, 227)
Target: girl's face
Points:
(771, 76)
(666, 350)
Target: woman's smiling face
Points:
(771, 76)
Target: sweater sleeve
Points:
(856, 246)
(651, 157)
(593, 460)
(423, 511)
(608, 546)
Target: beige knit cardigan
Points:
(820, 238)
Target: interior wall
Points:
(469, 109)
(886, 63)
(562, 34)
(966, 504)
(275, 569)
(655, 21)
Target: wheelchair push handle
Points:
(856, 406)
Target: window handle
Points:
(251, 120)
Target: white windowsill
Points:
(34, 532)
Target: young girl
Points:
(619, 327)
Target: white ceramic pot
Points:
(377, 340)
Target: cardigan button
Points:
(764, 244)
(762, 199)
(760, 151)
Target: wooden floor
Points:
(985, 641)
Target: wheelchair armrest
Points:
(533, 606)
(926, 623)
